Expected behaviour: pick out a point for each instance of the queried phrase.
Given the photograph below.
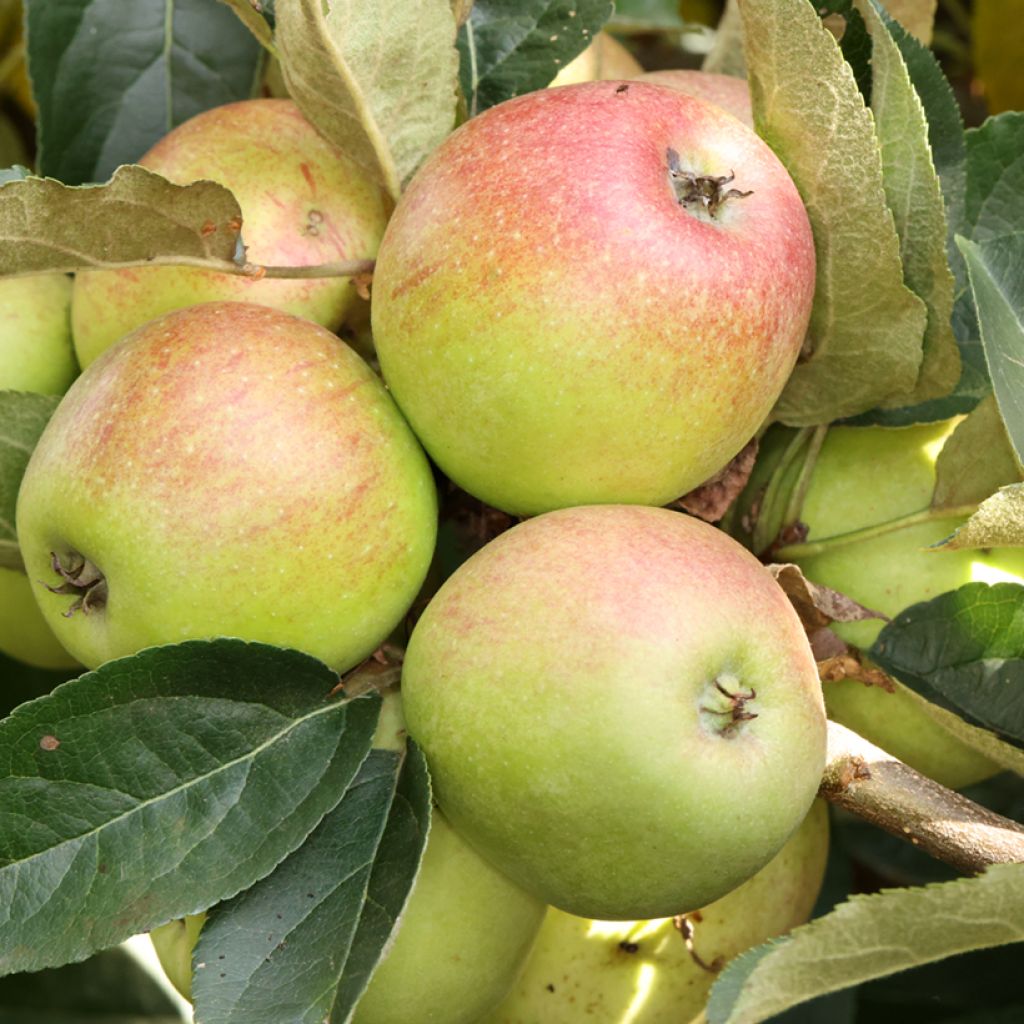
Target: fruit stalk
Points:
(865, 780)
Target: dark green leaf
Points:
(111, 78)
(300, 945)
(107, 984)
(994, 203)
(964, 651)
(508, 47)
(254, 17)
(22, 418)
(998, 288)
(161, 784)
(23, 682)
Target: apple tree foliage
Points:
(242, 776)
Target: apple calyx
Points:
(82, 579)
(704, 190)
(725, 707)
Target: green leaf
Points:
(301, 944)
(854, 41)
(646, 16)
(964, 651)
(999, 522)
(349, 65)
(994, 202)
(105, 989)
(508, 47)
(870, 937)
(111, 79)
(22, 419)
(255, 21)
(998, 288)
(136, 218)
(976, 460)
(914, 196)
(866, 330)
(161, 784)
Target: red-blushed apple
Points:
(725, 91)
(228, 469)
(605, 58)
(303, 202)
(35, 334)
(865, 477)
(619, 708)
(576, 302)
(642, 972)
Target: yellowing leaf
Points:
(998, 523)
(870, 937)
(378, 80)
(866, 330)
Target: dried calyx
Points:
(80, 578)
(702, 190)
(726, 706)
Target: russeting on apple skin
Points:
(303, 202)
(227, 470)
(642, 972)
(619, 708)
(561, 328)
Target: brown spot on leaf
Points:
(49, 743)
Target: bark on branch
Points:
(868, 782)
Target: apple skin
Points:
(35, 334)
(24, 633)
(303, 202)
(561, 684)
(866, 476)
(726, 91)
(559, 329)
(231, 470)
(462, 940)
(605, 58)
(607, 972)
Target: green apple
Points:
(619, 708)
(24, 633)
(302, 201)
(610, 972)
(460, 944)
(605, 58)
(865, 477)
(229, 469)
(35, 334)
(567, 323)
(726, 91)
(174, 943)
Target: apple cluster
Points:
(584, 305)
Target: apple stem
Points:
(865, 780)
(806, 549)
(341, 268)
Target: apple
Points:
(867, 476)
(24, 633)
(605, 58)
(619, 708)
(561, 318)
(463, 938)
(228, 469)
(303, 202)
(608, 972)
(726, 91)
(35, 334)
(461, 942)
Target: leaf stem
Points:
(865, 780)
(794, 552)
(795, 504)
(341, 268)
